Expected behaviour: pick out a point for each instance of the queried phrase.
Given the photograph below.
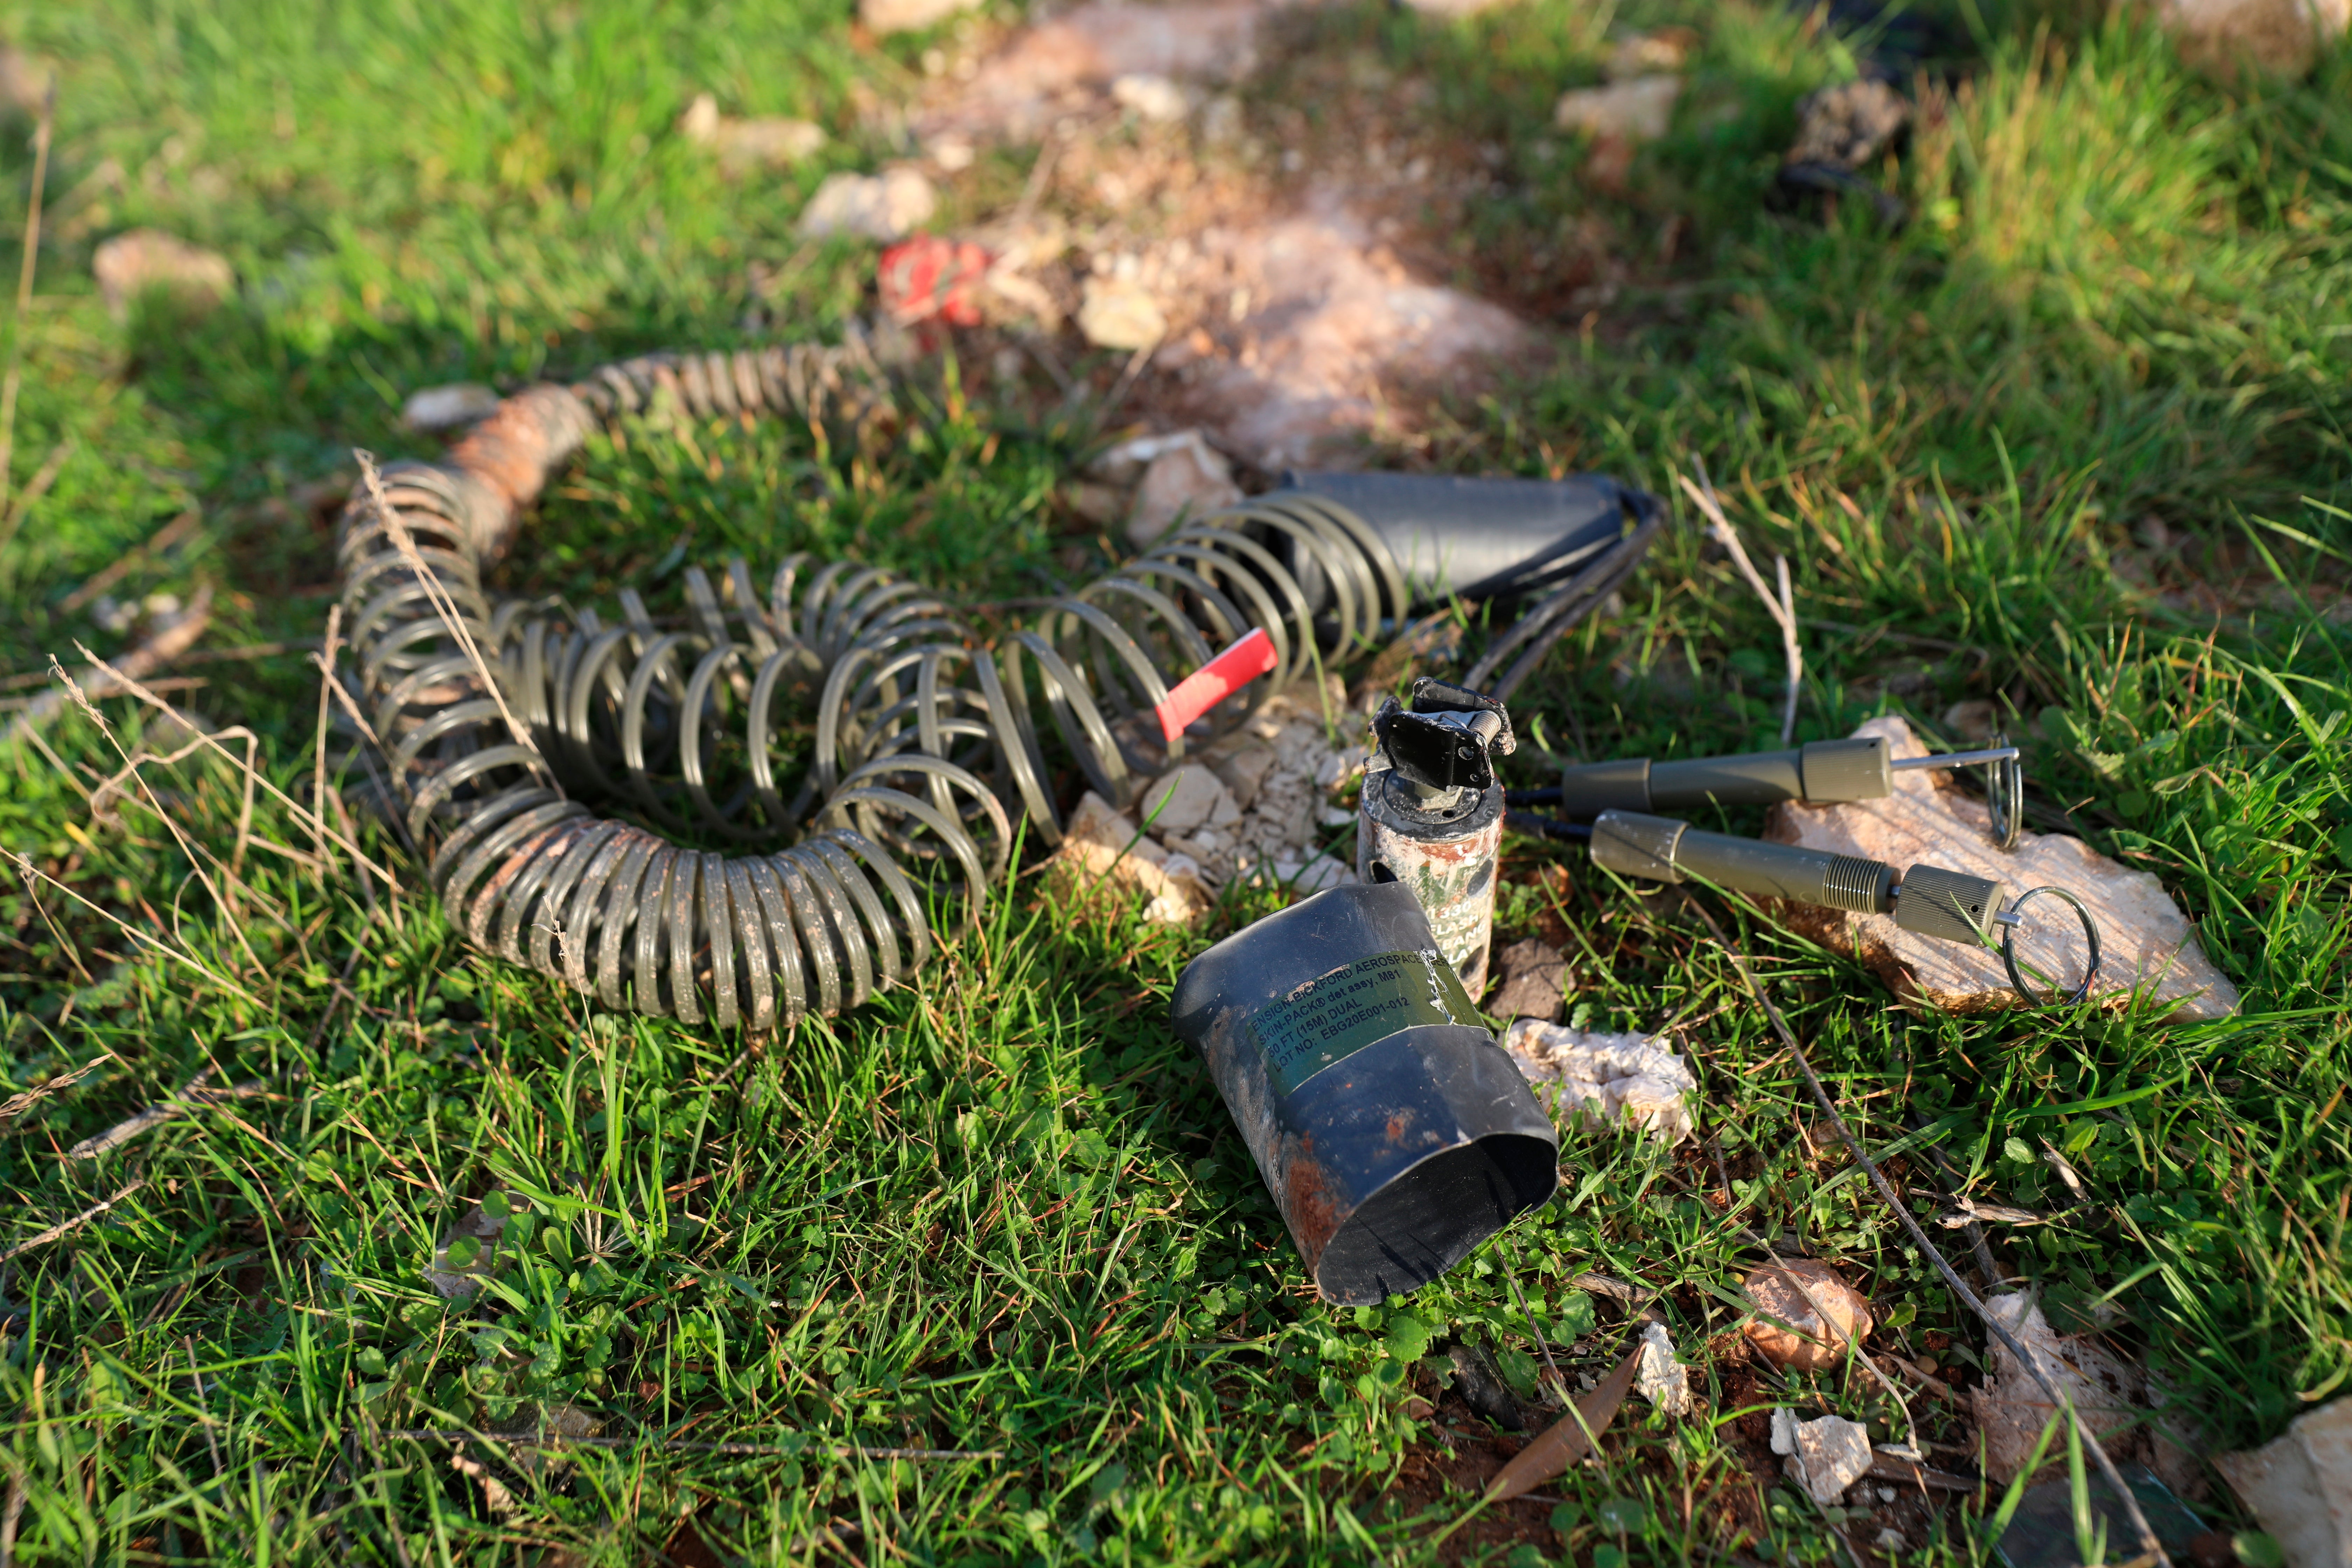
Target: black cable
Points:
(1548, 826)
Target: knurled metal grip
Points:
(1665, 850)
(1817, 772)
(1949, 905)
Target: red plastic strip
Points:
(1216, 681)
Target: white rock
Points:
(1611, 1079)
(1177, 866)
(2147, 944)
(1784, 1430)
(1832, 1454)
(886, 206)
(1659, 1377)
(1186, 480)
(1245, 772)
(1124, 464)
(1118, 313)
(1636, 109)
(2010, 1408)
(771, 139)
(1336, 768)
(2282, 37)
(1646, 54)
(447, 407)
(1187, 798)
(148, 260)
(1102, 848)
(2300, 1486)
(908, 15)
(1152, 97)
(953, 153)
(1319, 873)
(742, 145)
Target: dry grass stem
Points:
(10, 1513)
(13, 516)
(17, 1105)
(212, 1444)
(42, 131)
(1919, 1238)
(197, 857)
(128, 681)
(69, 1227)
(170, 533)
(326, 662)
(446, 607)
(1781, 607)
(25, 867)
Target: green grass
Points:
(1003, 1210)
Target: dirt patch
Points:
(1059, 66)
(1302, 269)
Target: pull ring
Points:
(2011, 919)
(2005, 800)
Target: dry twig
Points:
(668, 1445)
(106, 679)
(155, 1115)
(1926, 1244)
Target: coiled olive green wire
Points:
(680, 724)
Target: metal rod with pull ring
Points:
(1819, 772)
(1928, 901)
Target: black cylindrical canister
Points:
(1393, 1132)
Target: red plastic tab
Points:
(1216, 681)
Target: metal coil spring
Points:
(900, 712)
